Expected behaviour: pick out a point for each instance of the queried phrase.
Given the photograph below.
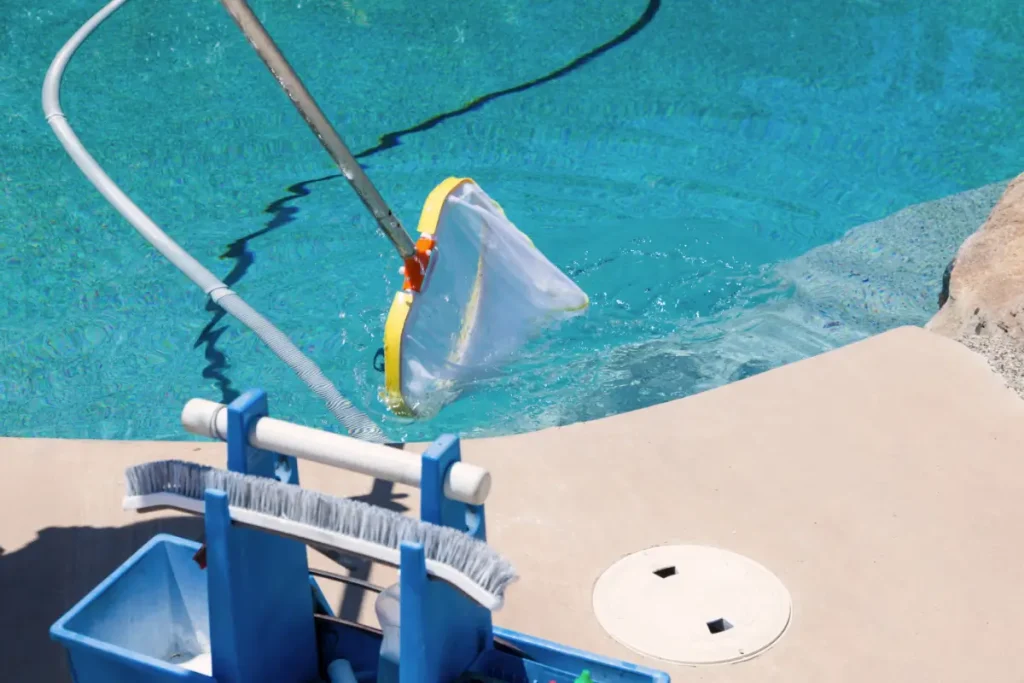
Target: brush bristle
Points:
(381, 526)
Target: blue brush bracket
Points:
(261, 608)
(243, 413)
(434, 506)
(442, 631)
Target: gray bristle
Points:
(381, 526)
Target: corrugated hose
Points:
(355, 422)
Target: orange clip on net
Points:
(416, 265)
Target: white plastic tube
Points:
(464, 482)
(352, 419)
(194, 270)
(340, 671)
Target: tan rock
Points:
(985, 308)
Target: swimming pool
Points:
(683, 176)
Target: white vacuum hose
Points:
(355, 422)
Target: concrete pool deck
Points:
(880, 482)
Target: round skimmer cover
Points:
(692, 604)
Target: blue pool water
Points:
(695, 177)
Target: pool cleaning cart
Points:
(255, 613)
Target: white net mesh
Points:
(487, 291)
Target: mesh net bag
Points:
(484, 291)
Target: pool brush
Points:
(349, 525)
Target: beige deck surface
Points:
(882, 483)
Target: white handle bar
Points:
(464, 482)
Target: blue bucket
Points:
(148, 621)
